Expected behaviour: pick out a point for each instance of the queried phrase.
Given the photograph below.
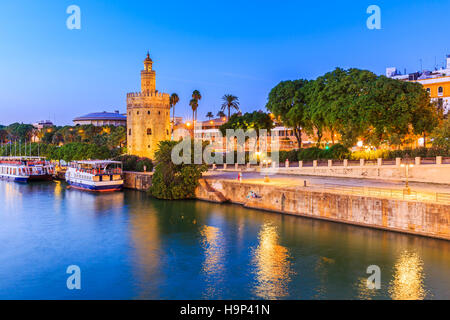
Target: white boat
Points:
(24, 169)
(95, 175)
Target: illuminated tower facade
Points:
(148, 115)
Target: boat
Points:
(24, 169)
(95, 175)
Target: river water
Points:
(129, 246)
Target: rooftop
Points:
(102, 116)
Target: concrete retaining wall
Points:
(421, 218)
(137, 180)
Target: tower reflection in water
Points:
(408, 281)
(272, 264)
(146, 238)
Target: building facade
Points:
(100, 119)
(437, 83)
(148, 115)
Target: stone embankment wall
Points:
(415, 217)
(137, 180)
(421, 218)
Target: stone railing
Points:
(434, 170)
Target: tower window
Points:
(137, 112)
(149, 131)
(148, 146)
(148, 112)
(167, 132)
(129, 132)
(159, 112)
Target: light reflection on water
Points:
(130, 246)
(273, 267)
(408, 280)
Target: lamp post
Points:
(407, 166)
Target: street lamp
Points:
(407, 166)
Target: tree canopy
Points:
(356, 104)
(256, 120)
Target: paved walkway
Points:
(296, 180)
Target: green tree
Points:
(287, 102)
(194, 105)
(171, 181)
(230, 102)
(197, 96)
(221, 114)
(256, 120)
(441, 135)
(209, 115)
(174, 99)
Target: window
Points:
(167, 132)
(129, 132)
(148, 112)
(159, 112)
(440, 91)
(149, 131)
(137, 112)
(428, 90)
(148, 146)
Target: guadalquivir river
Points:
(129, 246)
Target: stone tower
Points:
(148, 115)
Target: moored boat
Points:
(95, 175)
(24, 169)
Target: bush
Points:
(135, 163)
(171, 181)
(405, 153)
(291, 155)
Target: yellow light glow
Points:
(273, 267)
(188, 124)
(408, 282)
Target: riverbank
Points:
(418, 213)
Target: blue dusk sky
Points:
(240, 47)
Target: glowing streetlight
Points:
(407, 166)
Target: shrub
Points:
(135, 163)
(291, 155)
(171, 181)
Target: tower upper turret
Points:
(148, 76)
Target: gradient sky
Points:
(240, 47)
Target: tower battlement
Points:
(155, 94)
(148, 115)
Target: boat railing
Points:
(100, 171)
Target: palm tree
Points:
(173, 101)
(221, 114)
(194, 105)
(209, 115)
(230, 102)
(197, 96)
